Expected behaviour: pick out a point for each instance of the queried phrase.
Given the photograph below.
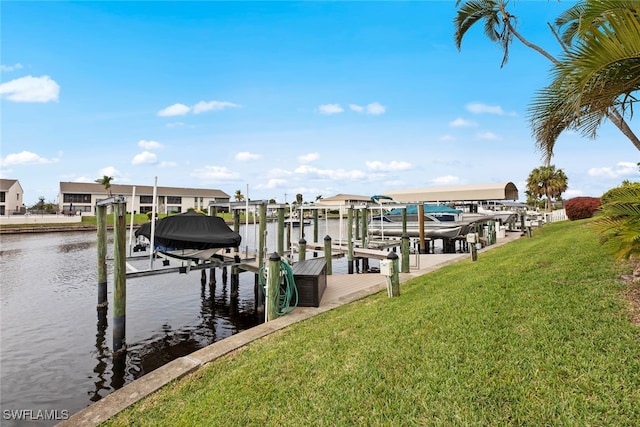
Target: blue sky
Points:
(316, 98)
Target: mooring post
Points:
(405, 251)
(327, 253)
(262, 237)
(273, 287)
(350, 240)
(235, 281)
(394, 286)
(423, 242)
(316, 225)
(119, 279)
(365, 243)
(280, 243)
(212, 277)
(302, 247)
(101, 218)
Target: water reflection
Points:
(102, 355)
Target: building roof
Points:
(6, 184)
(93, 188)
(475, 192)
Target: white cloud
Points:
(330, 109)
(25, 158)
(31, 89)
(146, 157)
(572, 193)
(174, 110)
(149, 145)
(244, 156)
(488, 136)
(273, 183)
(17, 66)
(174, 124)
(109, 171)
(166, 164)
(390, 166)
(621, 169)
(84, 179)
(308, 158)
(203, 106)
(376, 108)
(278, 173)
(446, 180)
(357, 108)
(338, 174)
(477, 108)
(220, 173)
(460, 122)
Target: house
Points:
(82, 197)
(11, 197)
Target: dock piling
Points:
(327, 253)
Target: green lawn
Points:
(535, 332)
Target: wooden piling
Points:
(421, 229)
(119, 279)
(101, 218)
(262, 234)
(405, 251)
(327, 254)
(280, 243)
(273, 287)
(302, 247)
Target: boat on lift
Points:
(440, 222)
(190, 235)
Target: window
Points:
(174, 200)
(146, 199)
(76, 198)
(2, 196)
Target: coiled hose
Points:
(288, 290)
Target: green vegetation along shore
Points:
(536, 332)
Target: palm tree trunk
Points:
(617, 119)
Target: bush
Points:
(581, 207)
(614, 193)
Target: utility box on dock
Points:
(311, 281)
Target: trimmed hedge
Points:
(581, 207)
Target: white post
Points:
(133, 204)
(153, 222)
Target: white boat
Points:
(440, 222)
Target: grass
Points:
(535, 332)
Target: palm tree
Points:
(106, 181)
(619, 222)
(555, 110)
(548, 182)
(238, 196)
(596, 77)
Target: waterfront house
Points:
(11, 197)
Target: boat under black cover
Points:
(191, 230)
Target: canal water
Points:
(55, 346)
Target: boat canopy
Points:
(191, 230)
(430, 209)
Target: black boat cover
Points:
(191, 230)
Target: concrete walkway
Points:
(341, 289)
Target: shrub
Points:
(581, 207)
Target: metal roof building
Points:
(456, 193)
